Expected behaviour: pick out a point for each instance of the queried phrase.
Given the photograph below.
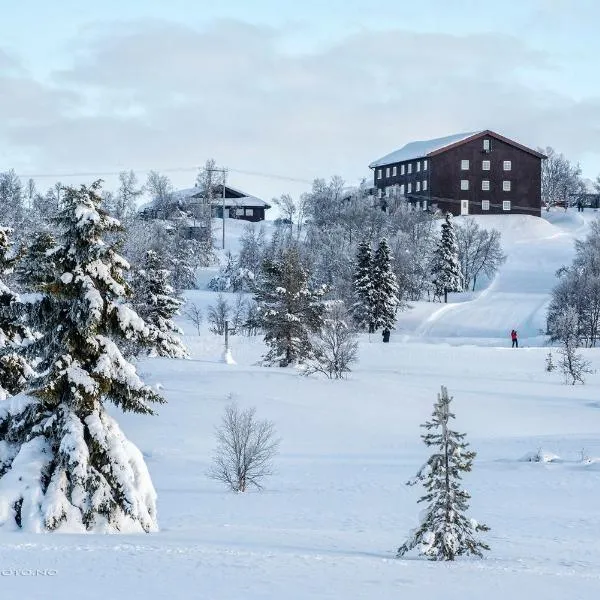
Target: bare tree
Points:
(286, 205)
(218, 314)
(479, 251)
(238, 312)
(245, 449)
(334, 346)
(571, 363)
(559, 178)
(160, 188)
(194, 313)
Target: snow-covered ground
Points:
(331, 518)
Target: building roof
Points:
(425, 148)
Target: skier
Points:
(386, 335)
(514, 338)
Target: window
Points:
(401, 169)
(378, 173)
(418, 166)
(505, 204)
(239, 212)
(464, 165)
(424, 185)
(485, 185)
(506, 186)
(379, 192)
(409, 168)
(464, 184)
(424, 165)
(387, 172)
(418, 205)
(485, 165)
(418, 186)
(394, 171)
(507, 165)
(485, 205)
(402, 190)
(424, 204)
(249, 212)
(409, 188)
(487, 145)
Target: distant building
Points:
(469, 173)
(192, 202)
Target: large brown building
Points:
(468, 173)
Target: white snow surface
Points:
(329, 522)
(420, 149)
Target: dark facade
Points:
(479, 173)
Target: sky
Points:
(282, 92)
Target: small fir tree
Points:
(445, 532)
(36, 267)
(14, 333)
(155, 302)
(64, 462)
(288, 310)
(385, 289)
(363, 292)
(447, 276)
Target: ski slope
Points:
(518, 296)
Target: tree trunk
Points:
(445, 296)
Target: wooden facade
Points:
(478, 173)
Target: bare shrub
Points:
(335, 346)
(217, 315)
(194, 313)
(245, 449)
(238, 314)
(571, 363)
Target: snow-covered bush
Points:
(246, 447)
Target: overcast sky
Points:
(293, 89)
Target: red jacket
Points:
(513, 335)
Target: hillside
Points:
(332, 516)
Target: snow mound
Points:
(541, 456)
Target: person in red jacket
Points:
(514, 338)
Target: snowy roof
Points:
(243, 199)
(421, 149)
(426, 148)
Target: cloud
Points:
(157, 94)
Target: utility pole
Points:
(224, 173)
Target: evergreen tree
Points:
(36, 267)
(363, 292)
(155, 302)
(447, 276)
(64, 462)
(445, 532)
(288, 310)
(14, 333)
(385, 289)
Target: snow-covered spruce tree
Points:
(362, 308)
(155, 302)
(385, 289)
(445, 532)
(288, 311)
(447, 276)
(64, 462)
(35, 267)
(15, 370)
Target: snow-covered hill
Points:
(332, 516)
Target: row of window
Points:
(404, 169)
(465, 165)
(419, 186)
(485, 204)
(485, 185)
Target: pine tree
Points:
(64, 462)
(447, 276)
(36, 267)
(288, 310)
(445, 532)
(154, 301)
(362, 308)
(385, 289)
(14, 333)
